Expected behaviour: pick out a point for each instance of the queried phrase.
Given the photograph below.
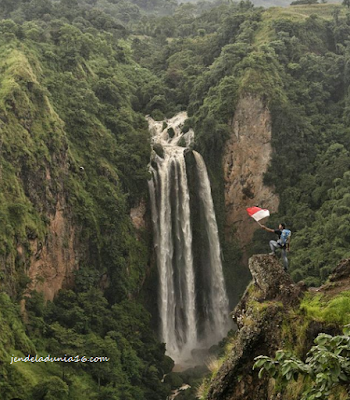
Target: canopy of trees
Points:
(77, 78)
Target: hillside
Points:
(71, 169)
(77, 78)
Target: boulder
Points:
(274, 283)
(158, 148)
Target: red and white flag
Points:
(258, 213)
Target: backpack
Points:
(285, 237)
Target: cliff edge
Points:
(273, 314)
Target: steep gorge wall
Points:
(52, 264)
(37, 235)
(246, 157)
(51, 188)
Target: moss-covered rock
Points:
(158, 148)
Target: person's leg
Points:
(285, 259)
(273, 246)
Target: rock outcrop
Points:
(259, 317)
(273, 283)
(269, 318)
(246, 158)
(53, 262)
(341, 272)
(137, 215)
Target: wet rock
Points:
(154, 164)
(158, 148)
(171, 132)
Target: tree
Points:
(52, 389)
(37, 8)
(298, 2)
(8, 6)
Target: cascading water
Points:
(193, 304)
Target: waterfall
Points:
(217, 312)
(192, 300)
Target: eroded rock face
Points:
(259, 316)
(263, 310)
(53, 262)
(137, 215)
(246, 157)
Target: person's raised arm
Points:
(266, 228)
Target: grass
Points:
(203, 390)
(294, 389)
(295, 14)
(336, 310)
(214, 364)
(339, 394)
(294, 330)
(321, 10)
(35, 372)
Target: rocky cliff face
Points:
(34, 164)
(267, 317)
(53, 262)
(259, 317)
(137, 215)
(50, 259)
(246, 158)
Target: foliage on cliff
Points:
(323, 373)
(76, 78)
(326, 367)
(80, 325)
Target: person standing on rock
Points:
(282, 242)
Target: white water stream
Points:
(193, 304)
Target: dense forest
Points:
(76, 80)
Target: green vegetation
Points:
(309, 135)
(81, 324)
(326, 366)
(299, 371)
(74, 146)
(76, 79)
(336, 310)
(324, 371)
(295, 60)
